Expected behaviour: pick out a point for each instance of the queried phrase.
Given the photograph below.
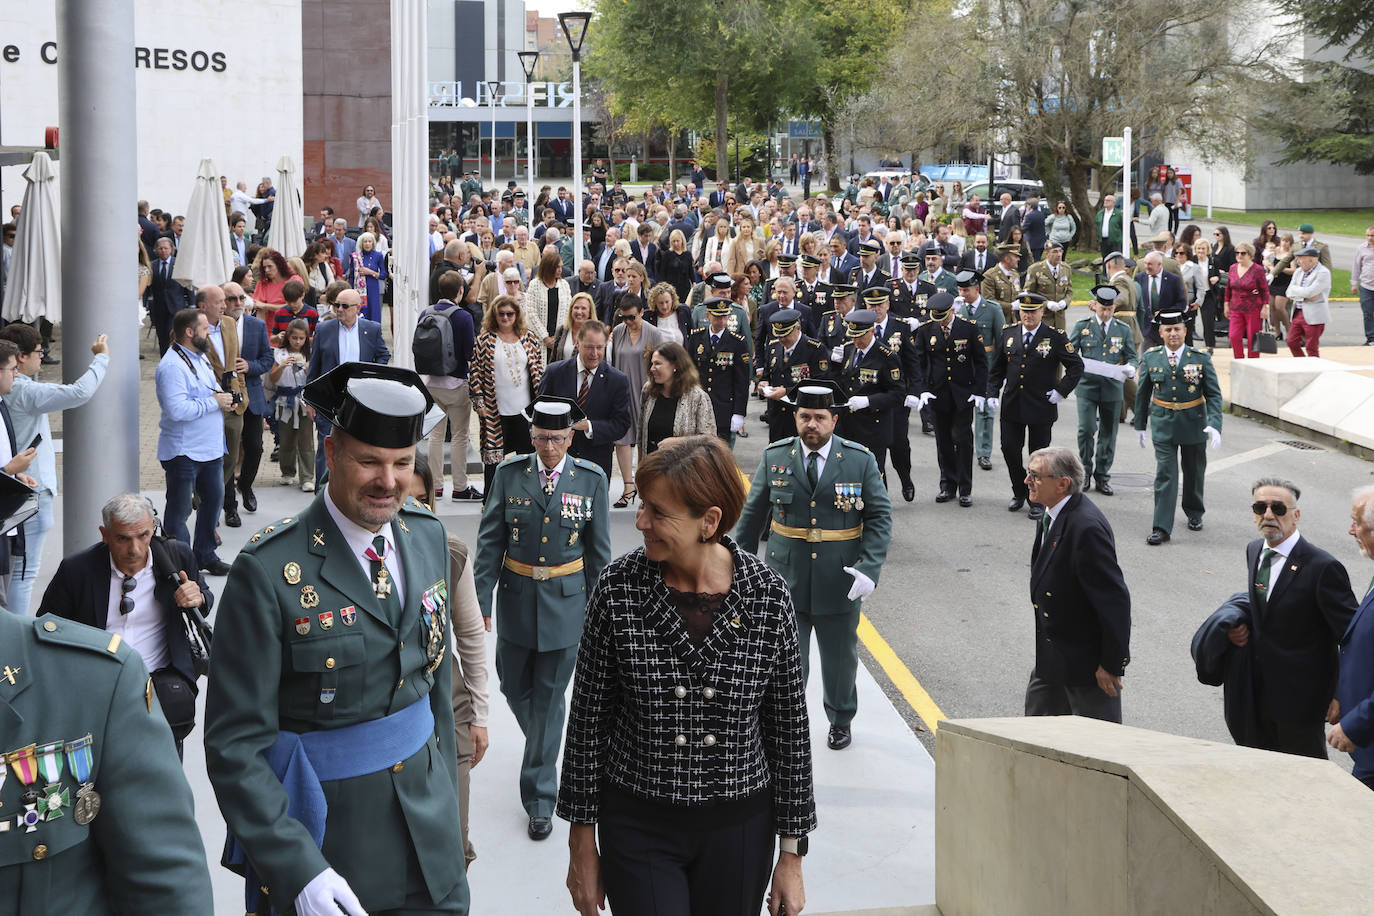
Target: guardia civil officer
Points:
(723, 364)
(952, 374)
(1028, 359)
(971, 306)
(935, 273)
(1179, 396)
(871, 378)
(544, 538)
(1111, 344)
(896, 335)
(792, 358)
(329, 717)
(828, 511)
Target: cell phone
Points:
(36, 439)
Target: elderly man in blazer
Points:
(1079, 598)
(601, 392)
(1160, 292)
(1300, 607)
(1352, 714)
(1309, 303)
(350, 338)
(165, 296)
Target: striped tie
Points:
(584, 389)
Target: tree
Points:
(1063, 74)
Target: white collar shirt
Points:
(359, 541)
(143, 627)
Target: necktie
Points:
(550, 481)
(584, 388)
(382, 585)
(1173, 360)
(1045, 522)
(1262, 578)
(811, 473)
(715, 341)
(1029, 335)
(1154, 292)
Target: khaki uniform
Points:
(1054, 287)
(1001, 288)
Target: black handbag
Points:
(1265, 341)
(199, 634)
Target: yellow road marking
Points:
(901, 676)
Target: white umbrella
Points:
(203, 256)
(287, 234)
(34, 288)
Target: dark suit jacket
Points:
(648, 258)
(969, 259)
(324, 349)
(563, 209)
(1355, 689)
(716, 199)
(1081, 604)
(80, 591)
(166, 297)
(257, 351)
(1172, 297)
(1296, 637)
(607, 407)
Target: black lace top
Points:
(696, 610)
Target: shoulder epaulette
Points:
(588, 465)
(270, 530)
(59, 631)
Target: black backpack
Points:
(432, 345)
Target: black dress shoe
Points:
(927, 429)
(985, 463)
(1016, 503)
(839, 738)
(231, 518)
(1105, 488)
(49, 360)
(250, 501)
(944, 497)
(908, 490)
(468, 493)
(540, 828)
(966, 501)
(1194, 524)
(1157, 537)
(1036, 511)
(276, 450)
(216, 567)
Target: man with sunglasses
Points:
(1300, 606)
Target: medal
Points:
(349, 615)
(302, 625)
(382, 587)
(327, 695)
(30, 819)
(50, 761)
(309, 599)
(326, 620)
(292, 573)
(87, 804)
(23, 764)
(55, 797)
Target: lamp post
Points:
(492, 86)
(575, 30)
(528, 60)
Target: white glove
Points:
(736, 422)
(911, 402)
(1128, 371)
(993, 403)
(837, 353)
(858, 402)
(1054, 396)
(913, 323)
(978, 402)
(1140, 435)
(1213, 437)
(328, 894)
(767, 390)
(862, 587)
(925, 399)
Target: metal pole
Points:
(1126, 187)
(1211, 187)
(491, 100)
(577, 161)
(529, 151)
(99, 178)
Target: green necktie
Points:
(1045, 522)
(1262, 578)
(811, 474)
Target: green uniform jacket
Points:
(1001, 289)
(267, 675)
(780, 492)
(521, 522)
(1039, 280)
(1117, 347)
(945, 281)
(1193, 379)
(142, 853)
(988, 317)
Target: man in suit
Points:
(1160, 291)
(543, 541)
(717, 197)
(1010, 218)
(1180, 398)
(1052, 279)
(867, 274)
(343, 245)
(978, 257)
(787, 270)
(562, 206)
(1104, 339)
(1301, 606)
(784, 296)
(1352, 713)
(1309, 303)
(350, 338)
(816, 536)
(238, 240)
(1079, 598)
(1033, 225)
(842, 263)
(129, 585)
(601, 392)
(255, 353)
(349, 600)
(232, 370)
(1029, 358)
(863, 234)
(324, 225)
(165, 296)
(1108, 221)
(723, 363)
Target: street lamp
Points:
(575, 30)
(528, 60)
(492, 86)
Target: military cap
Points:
(553, 413)
(720, 281)
(1008, 248)
(385, 406)
(911, 260)
(1030, 301)
(784, 322)
(842, 290)
(506, 195)
(876, 294)
(870, 247)
(1307, 227)
(939, 305)
(968, 278)
(808, 260)
(1169, 318)
(1053, 244)
(1162, 238)
(816, 394)
(860, 322)
(1117, 256)
(718, 305)
(930, 248)
(1311, 251)
(1105, 294)
(519, 193)
(786, 260)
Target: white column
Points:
(409, 173)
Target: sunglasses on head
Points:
(1279, 509)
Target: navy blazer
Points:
(1355, 688)
(1172, 297)
(80, 591)
(257, 352)
(607, 407)
(167, 297)
(324, 349)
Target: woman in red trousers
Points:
(1247, 296)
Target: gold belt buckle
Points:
(813, 535)
(539, 573)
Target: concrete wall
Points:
(1073, 816)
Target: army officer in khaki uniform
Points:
(329, 719)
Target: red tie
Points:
(584, 389)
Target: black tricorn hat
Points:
(553, 413)
(385, 406)
(817, 394)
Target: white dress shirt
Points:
(359, 541)
(143, 628)
(822, 456)
(1279, 560)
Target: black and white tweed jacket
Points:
(689, 725)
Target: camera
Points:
(226, 381)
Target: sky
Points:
(552, 8)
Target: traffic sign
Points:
(1113, 151)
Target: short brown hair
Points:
(331, 292)
(685, 376)
(592, 325)
(702, 472)
(293, 290)
(22, 336)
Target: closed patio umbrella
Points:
(34, 288)
(204, 257)
(287, 234)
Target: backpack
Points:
(432, 345)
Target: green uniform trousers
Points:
(983, 422)
(838, 636)
(535, 685)
(1168, 457)
(1097, 425)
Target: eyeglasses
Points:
(1279, 509)
(547, 440)
(1034, 476)
(126, 603)
(235, 298)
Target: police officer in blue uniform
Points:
(722, 359)
(792, 358)
(952, 376)
(874, 385)
(896, 334)
(831, 330)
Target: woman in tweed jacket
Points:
(504, 427)
(688, 746)
(673, 384)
